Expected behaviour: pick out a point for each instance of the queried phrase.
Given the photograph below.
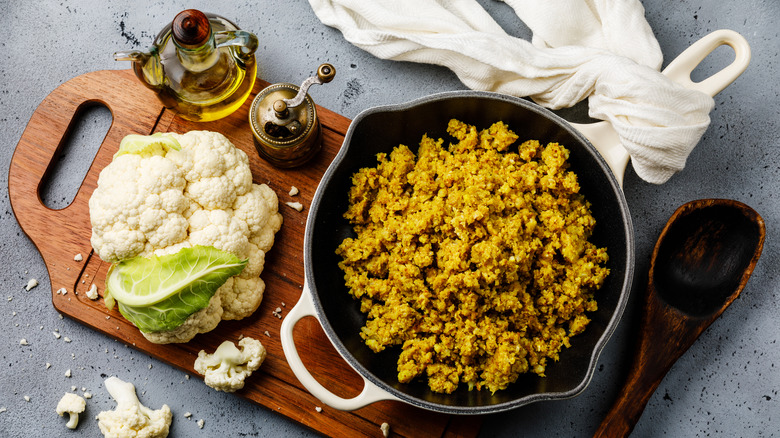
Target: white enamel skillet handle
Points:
(605, 139)
(370, 393)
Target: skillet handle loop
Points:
(605, 139)
(370, 393)
(680, 69)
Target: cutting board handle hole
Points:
(74, 157)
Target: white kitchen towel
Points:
(603, 50)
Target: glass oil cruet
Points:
(201, 65)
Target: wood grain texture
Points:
(61, 234)
(708, 246)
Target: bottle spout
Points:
(147, 67)
(131, 55)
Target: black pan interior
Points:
(382, 129)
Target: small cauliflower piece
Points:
(295, 205)
(92, 293)
(131, 419)
(73, 405)
(227, 369)
(31, 284)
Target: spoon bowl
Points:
(699, 266)
(704, 255)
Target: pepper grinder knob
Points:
(280, 108)
(325, 74)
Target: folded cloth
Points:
(603, 50)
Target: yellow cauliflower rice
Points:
(474, 259)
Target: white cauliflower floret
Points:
(227, 369)
(218, 173)
(134, 199)
(256, 262)
(264, 240)
(220, 229)
(164, 200)
(73, 405)
(243, 298)
(257, 208)
(131, 419)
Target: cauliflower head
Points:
(227, 369)
(131, 419)
(160, 200)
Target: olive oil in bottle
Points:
(200, 65)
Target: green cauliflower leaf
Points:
(159, 293)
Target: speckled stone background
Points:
(726, 385)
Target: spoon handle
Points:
(631, 402)
(664, 336)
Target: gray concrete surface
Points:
(726, 385)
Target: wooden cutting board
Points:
(61, 234)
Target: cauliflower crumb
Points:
(68, 373)
(48, 365)
(62, 291)
(31, 284)
(318, 409)
(26, 398)
(3, 409)
(385, 428)
(294, 191)
(66, 339)
(295, 205)
(78, 257)
(227, 369)
(188, 414)
(87, 395)
(201, 423)
(23, 342)
(56, 335)
(92, 293)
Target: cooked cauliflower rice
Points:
(474, 259)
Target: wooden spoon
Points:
(700, 264)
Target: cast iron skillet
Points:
(325, 296)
